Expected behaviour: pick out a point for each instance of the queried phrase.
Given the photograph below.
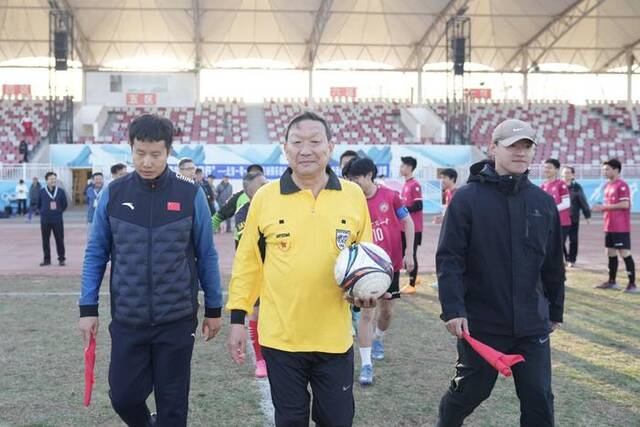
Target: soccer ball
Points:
(364, 270)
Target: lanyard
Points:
(55, 192)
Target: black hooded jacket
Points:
(499, 259)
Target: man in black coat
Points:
(578, 204)
(501, 278)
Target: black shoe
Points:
(45, 263)
(61, 263)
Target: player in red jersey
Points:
(617, 225)
(558, 189)
(448, 179)
(389, 217)
(412, 199)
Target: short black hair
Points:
(308, 115)
(348, 153)
(554, 162)
(151, 128)
(117, 168)
(452, 174)
(571, 168)
(21, 181)
(48, 174)
(97, 174)
(198, 170)
(184, 160)
(255, 166)
(614, 164)
(409, 161)
(360, 166)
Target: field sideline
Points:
(595, 357)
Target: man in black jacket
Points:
(501, 278)
(578, 203)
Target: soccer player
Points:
(251, 183)
(229, 209)
(295, 229)
(578, 203)
(388, 218)
(557, 188)
(118, 170)
(346, 157)
(617, 225)
(412, 199)
(501, 275)
(155, 226)
(448, 179)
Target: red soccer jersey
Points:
(560, 192)
(384, 208)
(411, 193)
(448, 195)
(618, 220)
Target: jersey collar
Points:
(287, 186)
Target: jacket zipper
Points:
(149, 245)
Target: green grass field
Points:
(596, 359)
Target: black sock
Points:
(631, 269)
(613, 268)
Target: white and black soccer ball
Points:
(364, 270)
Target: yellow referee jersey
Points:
(286, 257)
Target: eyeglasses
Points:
(190, 168)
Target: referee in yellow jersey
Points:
(295, 229)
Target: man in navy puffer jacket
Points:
(155, 227)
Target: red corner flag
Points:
(500, 361)
(89, 363)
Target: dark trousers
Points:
(331, 379)
(475, 379)
(154, 358)
(58, 234)
(571, 254)
(22, 207)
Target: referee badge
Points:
(341, 238)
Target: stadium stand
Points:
(366, 122)
(571, 133)
(12, 111)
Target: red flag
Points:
(500, 361)
(89, 363)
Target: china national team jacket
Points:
(158, 236)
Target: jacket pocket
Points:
(537, 232)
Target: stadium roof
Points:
(594, 35)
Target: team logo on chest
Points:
(383, 207)
(342, 236)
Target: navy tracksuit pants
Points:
(153, 358)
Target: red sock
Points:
(253, 335)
